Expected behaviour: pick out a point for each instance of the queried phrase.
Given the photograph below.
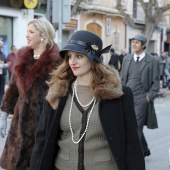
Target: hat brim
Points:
(76, 48)
(72, 47)
(139, 40)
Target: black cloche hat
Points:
(87, 43)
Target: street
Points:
(158, 139)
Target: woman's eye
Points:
(79, 56)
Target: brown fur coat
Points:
(24, 99)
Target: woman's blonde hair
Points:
(45, 28)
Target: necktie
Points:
(137, 59)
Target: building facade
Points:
(13, 26)
(100, 17)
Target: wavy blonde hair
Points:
(45, 28)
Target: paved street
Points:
(2, 140)
(158, 139)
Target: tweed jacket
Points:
(24, 99)
(118, 120)
(150, 79)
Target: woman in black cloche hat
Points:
(88, 121)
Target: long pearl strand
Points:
(88, 120)
(75, 87)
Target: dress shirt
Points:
(141, 56)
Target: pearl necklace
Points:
(75, 88)
(88, 120)
(36, 57)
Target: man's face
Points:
(14, 50)
(137, 46)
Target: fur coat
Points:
(24, 99)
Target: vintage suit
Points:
(117, 119)
(24, 99)
(150, 82)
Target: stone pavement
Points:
(164, 92)
(2, 140)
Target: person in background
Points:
(140, 72)
(3, 71)
(4, 65)
(114, 60)
(26, 92)
(167, 58)
(155, 55)
(122, 55)
(162, 64)
(160, 94)
(88, 120)
(11, 60)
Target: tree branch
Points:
(165, 8)
(127, 17)
(143, 4)
(75, 7)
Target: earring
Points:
(42, 39)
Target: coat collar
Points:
(27, 70)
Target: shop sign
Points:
(108, 26)
(72, 25)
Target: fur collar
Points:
(107, 92)
(27, 71)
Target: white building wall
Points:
(129, 6)
(20, 21)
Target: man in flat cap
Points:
(140, 71)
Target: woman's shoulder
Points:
(126, 88)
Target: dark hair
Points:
(154, 54)
(112, 50)
(100, 73)
(12, 46)
(142, 43)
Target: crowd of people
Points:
(164, 60)
(70, 111)
(116, 60)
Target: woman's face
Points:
(79, 64)
(33, 37)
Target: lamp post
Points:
(61, 13)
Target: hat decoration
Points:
(93, 51)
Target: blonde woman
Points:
(88, 121)
(26, 92)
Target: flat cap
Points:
(140, 37)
